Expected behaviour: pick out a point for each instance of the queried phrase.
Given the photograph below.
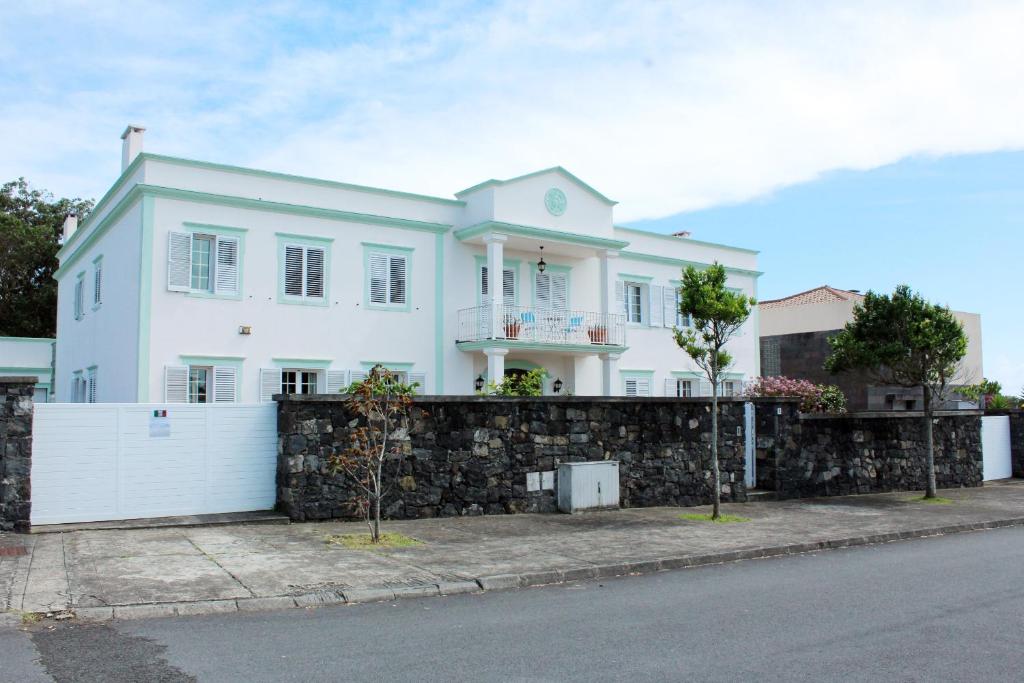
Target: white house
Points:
(29, 357)
(194, 281)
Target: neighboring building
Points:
(193, 281)
(794, 335)
(29, 357)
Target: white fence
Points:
(95, 462)
(995, 447)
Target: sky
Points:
(858, 144)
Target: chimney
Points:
(131, 146)
(70, 225)
(682, 234)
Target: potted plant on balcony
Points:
(512, 327)
(598, 334)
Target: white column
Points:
(495, 364)
(495, 277)
(608, 277)
(609, 373)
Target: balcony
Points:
(579, 331)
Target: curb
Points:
(498, 582)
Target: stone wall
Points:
(776, 438)
(875, 452)
(473, 455)
(15, 452)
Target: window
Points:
(298, 381)
(634, 302)
(203, 263)
(551, 289)
(680, 388)
(200, 383)
(78, 390)
(388, 280)
(80, 297)
(680, 319)
(771, 357)
(90, 386)
(97, 283)
(635, 385)
(508, 285)
(729, 388)
(304, 271)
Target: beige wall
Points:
(834, 315)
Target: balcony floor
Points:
(523, 345)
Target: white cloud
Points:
(663, 106)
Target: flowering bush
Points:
(814, 398)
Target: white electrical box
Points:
(588, 486)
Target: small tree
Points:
(717, 314)
(529, 383)
(906, 341)
(381, 405)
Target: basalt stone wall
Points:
(876, 452)
(476, 455)
(15, 452)
(775, 438)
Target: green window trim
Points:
(393, 366)
(649, 373)
(551, 268)
(370, 248)
(642, 279)
(219, 231)
(287, 239)
(304, 363)
(510, 264)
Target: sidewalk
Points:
(152, 572)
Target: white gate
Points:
(995, 447)
(750, 442)
(105, 461)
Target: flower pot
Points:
(512, 330)
(598, 334)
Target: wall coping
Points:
(882, 414)
(19, 379)
(647, 400)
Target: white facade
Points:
(29, 357)
(313, 282)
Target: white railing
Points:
(542, 325)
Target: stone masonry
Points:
(15, 452)
(473, 455)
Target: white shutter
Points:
(224, 384)
(643, 386)
(226, 270)
(620, 298)
(705, 388)
(79, 298)
(508, 286)
(358, 376)
(483, 283)
(542, 290)
(669, 309)
(559, 291)
(97, 284)
(314, 272)
(656, 304)
(671, 387)
(179, 261)
(91, 386)
(420, 379)
(270, 384)
(397, 285)
(175, 384)
(378, 279)
(293, 257)
(631, 386)
(336, 381)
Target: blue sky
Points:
(830, 135)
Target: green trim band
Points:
(629, 277)
(400, 366)
(215, 229)
(556, 169)
(377, 246)
(27, 340)
(686, 240)
(108, 221)
(637, 372)
(303, 363)
(536, 346)
(187, 359)
(682, 263)
(26, 371)
(538, 233)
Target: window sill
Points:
(300, 301)
(213, 295)
(406, 308)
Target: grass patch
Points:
(29, 618)
(938, 500)
(364, 542)
(723, 519)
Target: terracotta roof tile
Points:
(818, 295)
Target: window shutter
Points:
(671, 387)
(631, 386)
(483, 283)
(656, 296)
(669, 309)
(270, 384)
(336, 381)
(620, 297)
(97, 284)
(224, 384)
(419, 379)
(358, 376)
(314, 272)
(397, 289)
(179, 261)
(78, 299)
(705, 388)
(226, 271)
(542, 290)
(643, 386)
(378, 278)
(508, 286)
(175, 384)
(559, 291)
(91, 387)
(293, 270)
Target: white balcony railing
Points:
(542, 325)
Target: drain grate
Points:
(13, 551)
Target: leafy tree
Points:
(906, 341)
(31, 222)
(983, 391)
(529, 383)
(716, 314)
(381, 404)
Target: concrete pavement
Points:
(152, 572)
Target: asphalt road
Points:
(949, 608)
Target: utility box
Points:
(588, 486)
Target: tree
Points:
(716, 314)
(31, 223)
(526, 384)
(381, 405)
(906, 341)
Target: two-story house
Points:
(200, 282)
